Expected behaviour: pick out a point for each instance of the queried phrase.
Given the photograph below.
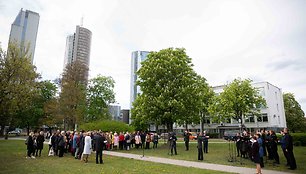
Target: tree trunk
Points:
(28, 128)
(186, 126)
(2, 130)
(202, 124)
(170, 127)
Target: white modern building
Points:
(78, 47)
(24, 31)
(272, 116)
(137, 58)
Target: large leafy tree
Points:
(205, 99)
(295, 116)
(72, 98)
(100, 93)
(18, 84)
(237, 100)
(168, 84)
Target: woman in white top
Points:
(87, 147)
(116, 141)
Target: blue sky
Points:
(261, 40)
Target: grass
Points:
(13, 160)
(218, 153)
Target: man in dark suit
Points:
(100, 142)
(200, 146)
(289, 149)
(186, 139)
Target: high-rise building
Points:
(24, 31)
(137, 58)
(78, 47)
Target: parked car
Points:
(164, 135)
(14, 132)
(193, 136)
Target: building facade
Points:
(115, 111)
(271, 117)
(137, 58)
(78, 47)
(24, 31)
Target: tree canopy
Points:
(237, 100)
(170, 90)
(100, 93)
(295, 116)
(18, 84)
(72, 98)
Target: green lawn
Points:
(13, 152)
(218, 153)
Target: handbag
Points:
(51, 152)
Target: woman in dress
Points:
(116, 141)
(255, 154)
(87, 147)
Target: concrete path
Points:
(201, 165)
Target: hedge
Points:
(107, 126)
(299, 139)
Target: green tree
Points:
(295, 116)
(100, 93)
(237, 100)
(17, 84)
(205, 99)
(72, 98)
(167, 82)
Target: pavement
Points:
(200, 165)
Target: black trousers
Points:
(286, 156)
(275, 154)
(261, 162)
(205, 146)
(187, 145)
(147, 145)
(291, 159)
(99, 156)
(120, 145)
(173, 148)
(61, 151)
(155, 144)
(200, 154)
(30, 151)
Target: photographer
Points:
(172, 140)
(199, 146)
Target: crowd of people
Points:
(80, 144)
(264, 144)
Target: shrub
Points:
(301, 137)
(107, 125)
(213, 135)
(297, 143)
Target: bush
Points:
(213, 135)
(301, 137)
(107, 125)
(297, 143)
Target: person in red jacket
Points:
(121, 140)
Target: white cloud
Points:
(226, 39)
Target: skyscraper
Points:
(24, 31)
(78, 47)
(137, 58)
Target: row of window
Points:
(249, 119)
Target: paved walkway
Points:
(201, 165)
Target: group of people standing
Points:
(202, 143)
(264, 144)
(35, 144)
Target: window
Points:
(249, 119)
(262, 118)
